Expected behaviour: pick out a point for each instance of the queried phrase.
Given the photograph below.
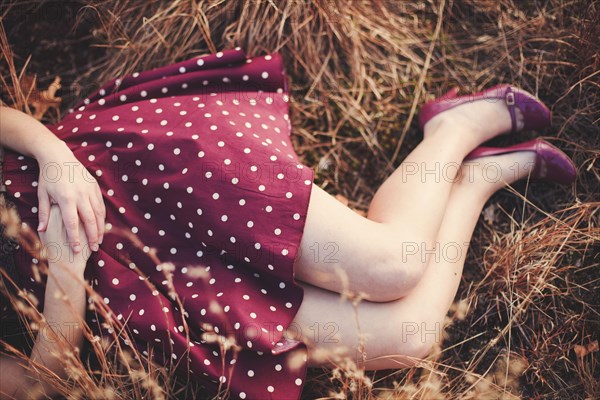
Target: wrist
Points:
(50, 148)
(67, 271)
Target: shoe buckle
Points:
(510, 99)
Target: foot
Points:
(551, 163)
(483, 119)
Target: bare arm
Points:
(64, 309)
(76, 191)
(26, 135)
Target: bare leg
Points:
(399, 332)
(382, 256)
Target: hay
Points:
(358, 71)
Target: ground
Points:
(525, 321)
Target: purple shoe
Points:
(535, 113)
(551, 164)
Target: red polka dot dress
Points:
(206, 205)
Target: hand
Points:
(56, 243)
(65, 181)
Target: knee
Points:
(392, 276)
(418, 339)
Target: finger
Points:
(100, 212)
(44, 210)
(100, 209)
(71, 221)
(88, 218)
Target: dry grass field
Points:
(526, 319)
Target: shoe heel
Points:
(452, 93)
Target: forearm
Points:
(13, 378)
(26, 135)
(64, 312)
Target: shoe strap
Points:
(510, 100)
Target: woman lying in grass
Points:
(222, 255)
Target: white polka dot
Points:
(271, 389)
(264, 75)
(296, 216)
(200, 62)
(250, 224)
(132, 297)
(250, 373)
(298, 381)
(278, 367)
(242, 202)
(115, 281)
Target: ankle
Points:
(452, 134)
(499, 170)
